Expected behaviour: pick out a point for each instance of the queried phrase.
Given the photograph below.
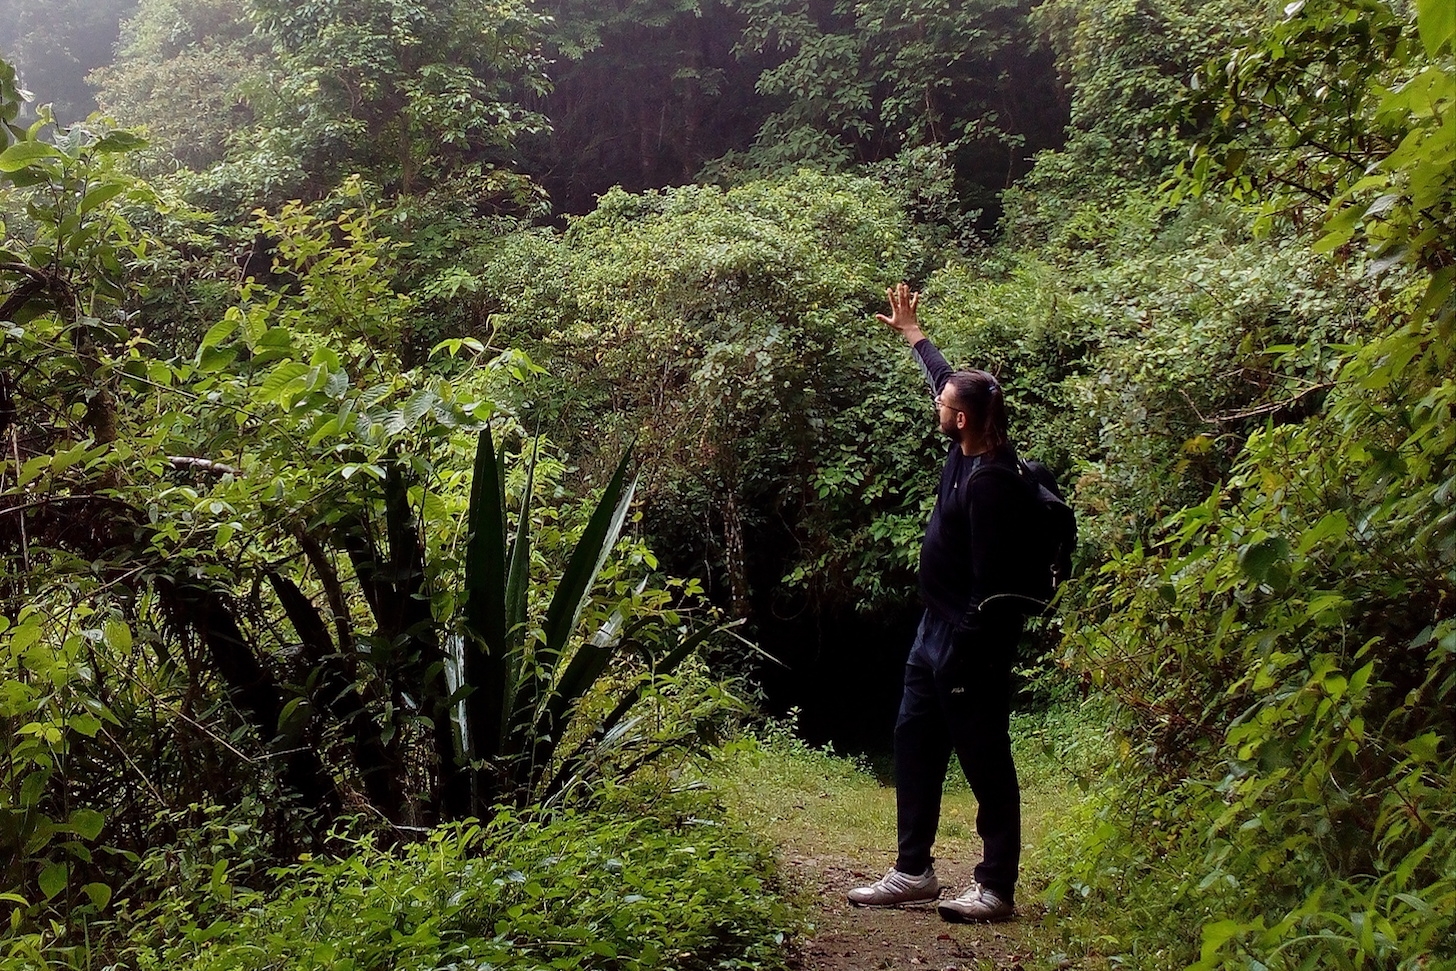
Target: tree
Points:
(183, 72)
(643, 94)
(1341, 117)
(263, 548)
(1283, 650)
(413, 95)
(56, 43)
(859, 81)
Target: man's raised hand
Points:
(903, 319)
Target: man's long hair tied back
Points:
(981, 393)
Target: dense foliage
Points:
(316, 530)
(1285, 649)
(248, 572)
(57, 42)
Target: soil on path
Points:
(831, 822)
(912, 938)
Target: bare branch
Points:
(186, 462)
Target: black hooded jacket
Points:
(973, 548)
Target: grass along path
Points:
(832, 820)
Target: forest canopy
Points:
(429, 426)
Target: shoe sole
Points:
(956, 917)
(897, 903)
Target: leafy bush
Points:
(652, 880)
(1285, 651)
(235, 572)
(1288, 658)
(733, 329)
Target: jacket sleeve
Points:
(932, 365)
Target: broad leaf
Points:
(23, 154)
(485, 664)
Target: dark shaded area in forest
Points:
(837, 670)
(647, 108)
(843, 673)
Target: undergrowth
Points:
(648, 880)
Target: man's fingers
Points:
(902, 299)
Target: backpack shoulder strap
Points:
(1020, 473)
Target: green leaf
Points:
(1215, 936)
(99, 195)
(86, 823)
(219, 332)
(218, 882)
(119, 141)
(278, 380)
(1333, 525)
(1423, 747)
(214, 359)
(518, 560)
(1259, 558)
(1436, 23)
(484, 609)
(418, 405)
(99, 893)
(84, 723)
(22, 154)
(53, 879)
(590, 554)
(116, 634)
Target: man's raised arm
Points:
(904, 321)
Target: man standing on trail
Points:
(958, 676)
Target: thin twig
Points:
(24, 541)
(1271, 407)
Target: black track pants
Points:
(958, 698)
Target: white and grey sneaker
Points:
(976, 905)
(895, 888)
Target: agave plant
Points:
(523, 692)
(498, 731)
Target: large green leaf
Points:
(1436, 22)
(572, 590)
(591, 553)
(22, 154)
(486, 663)
(518, 562)
(519, 678)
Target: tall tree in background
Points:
(859, 81)
(411, 94)
(1128, 62)
(645, 92)
(181, 71)
(56, 43)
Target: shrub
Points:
(650, 880)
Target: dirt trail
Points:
(831, 821)
(846, 938)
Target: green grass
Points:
(816, 801)
(801, 796)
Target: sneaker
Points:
(976, 904)
(896, 888)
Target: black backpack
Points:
(1051, 536)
